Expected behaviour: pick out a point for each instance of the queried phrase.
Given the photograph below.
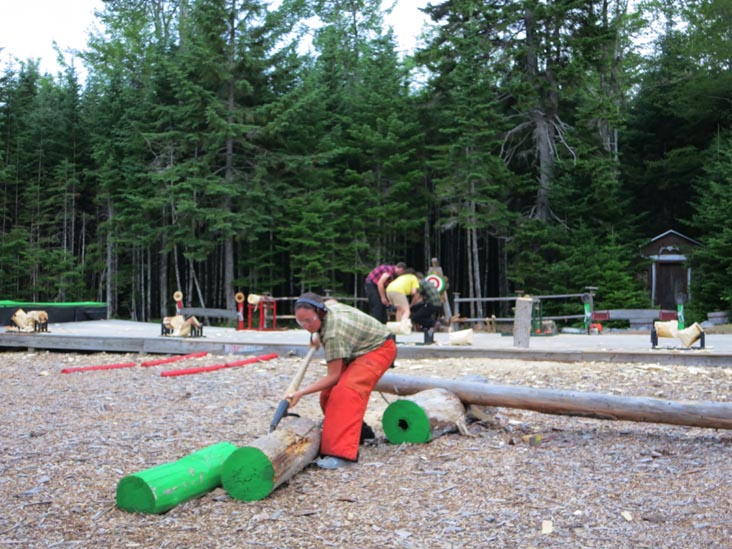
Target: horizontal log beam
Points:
(710, 414)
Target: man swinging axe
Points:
(358, 350)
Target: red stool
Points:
(265, 304)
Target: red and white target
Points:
(437, 281)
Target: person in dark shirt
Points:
(426, 304)
(376, 283)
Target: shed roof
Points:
(669, 244)
(677, 234)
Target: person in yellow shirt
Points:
(400, 291)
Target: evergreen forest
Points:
(218, 146)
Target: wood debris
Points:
(524, 479)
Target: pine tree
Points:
(712, 263)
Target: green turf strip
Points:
(247, 474)
(10, 303)
(406, 421)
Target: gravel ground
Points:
(524, 479)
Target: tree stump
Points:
(161, 488)
(253, 472)
(423, 416)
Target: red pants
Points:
(345, 403)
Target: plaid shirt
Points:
(348, 333)
(375, 275)
(429, 292)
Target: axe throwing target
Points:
(437, 281)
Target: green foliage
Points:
(712, 263)
(209, 152)
(549, 259)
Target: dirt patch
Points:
(523, 479)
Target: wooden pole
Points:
(522, 322)
(161, 488)
(214, 367)
(715, 415)
(252, 472)
(423, 416)
(99, 367)
(168, 360)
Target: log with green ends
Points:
(423, 417)
(159, 489)
(699, 413)
(253, 472)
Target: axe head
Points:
(279, 414)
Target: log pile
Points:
(30, 321)
(179, 326)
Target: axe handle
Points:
(295, 383)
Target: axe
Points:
(294, 385)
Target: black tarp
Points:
(57, 312)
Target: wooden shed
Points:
(669, 275)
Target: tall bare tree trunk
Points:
(194, 283)
(471, 279)
(148, 286)
(544, 139)
(475, 274)
(111, 266)
(229, 171)
(543, 116)
(163, 283)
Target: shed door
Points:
(671, 281)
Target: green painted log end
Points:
(406, 421)
(248, 474)
(135, 495)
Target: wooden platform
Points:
(137, 337)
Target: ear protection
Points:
(319, 307)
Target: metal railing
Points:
(538, 299)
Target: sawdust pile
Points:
(67, 440)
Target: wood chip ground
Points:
(523, 480)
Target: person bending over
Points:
(426, 304)
(400, 291)
(376, 283)
(358, 350)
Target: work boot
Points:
(429, 336)
(332, 462)
(367, 433)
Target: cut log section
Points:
(715, 415)
(253, 472)
(423, 416)
(161, 488)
